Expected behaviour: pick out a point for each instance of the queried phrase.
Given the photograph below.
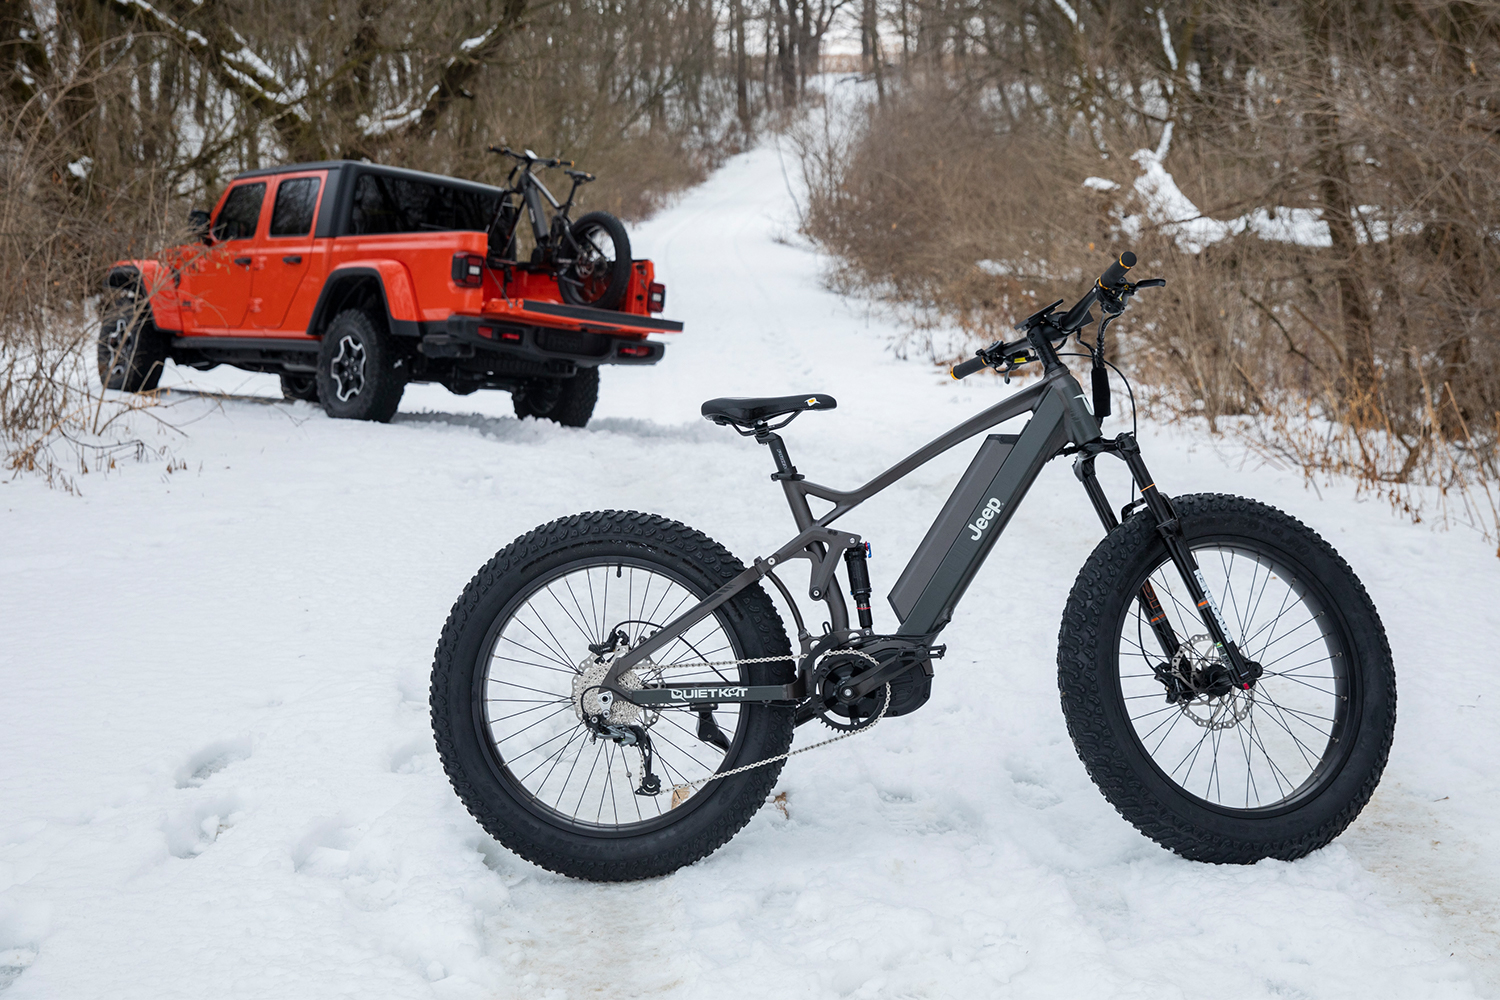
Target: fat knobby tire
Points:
(619, 276)
(132, 351)
(1088, 681)
(500, 805)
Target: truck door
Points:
(219, 283)
(282, 258)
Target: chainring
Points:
(838, 712)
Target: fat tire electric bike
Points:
(614, 693)
(590, 258)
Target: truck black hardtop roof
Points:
(363, 166)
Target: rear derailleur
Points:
(627, 736)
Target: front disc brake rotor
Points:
(1215, 703)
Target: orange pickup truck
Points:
(350, 280)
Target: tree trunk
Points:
(741, 64)
(1335, 190)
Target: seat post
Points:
(784, 467)
(786, 473)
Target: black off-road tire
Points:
(568, 401)
(303, 387)
(602, 290)
(132, 351)
(1106, 741)
(374, 391)
(501, 804)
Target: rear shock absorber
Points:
(859, 583)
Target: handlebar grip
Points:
(1115, 273)
(966, 368)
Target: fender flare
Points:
(147, 278)
(398, 301)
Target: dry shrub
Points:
(1369, 345)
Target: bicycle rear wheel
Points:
(600, 275)
(1209, 771)
(514, 677)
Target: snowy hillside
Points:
(217, 777)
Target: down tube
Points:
(1039, 442)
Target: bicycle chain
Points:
(790, 753)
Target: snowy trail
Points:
(218, 780)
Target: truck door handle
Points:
(245, 261)
(292, 258)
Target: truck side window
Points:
(385, 204)
(241, 211)
(292, 215)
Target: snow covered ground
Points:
(217, 778)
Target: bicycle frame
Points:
(532, 192)
(955, 546)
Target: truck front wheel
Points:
(358, 378)
(568, 401)
(132, 350)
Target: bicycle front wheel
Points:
(1213, 772)
(514, 680)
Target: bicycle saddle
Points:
(750, 410)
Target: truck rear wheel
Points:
(568, 401)
(358, 377)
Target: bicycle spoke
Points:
(1278, 756)
(573, 771)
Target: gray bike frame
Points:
(940, 570)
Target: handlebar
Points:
(528, 157)
(966, 368)
(1114, 275)
(1111, 285)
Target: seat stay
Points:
(801, 547)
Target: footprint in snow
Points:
(410, 756)
(1029, 785)
(212, 759)
(13, 962)
(191, 830)
(324, 848)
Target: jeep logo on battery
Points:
(991, 508)
(708, 694)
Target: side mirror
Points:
(198, 224)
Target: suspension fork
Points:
(1242, 672)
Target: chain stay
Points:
(790, 753)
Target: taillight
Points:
(656, 297)
(468, 270)
(635, 350)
